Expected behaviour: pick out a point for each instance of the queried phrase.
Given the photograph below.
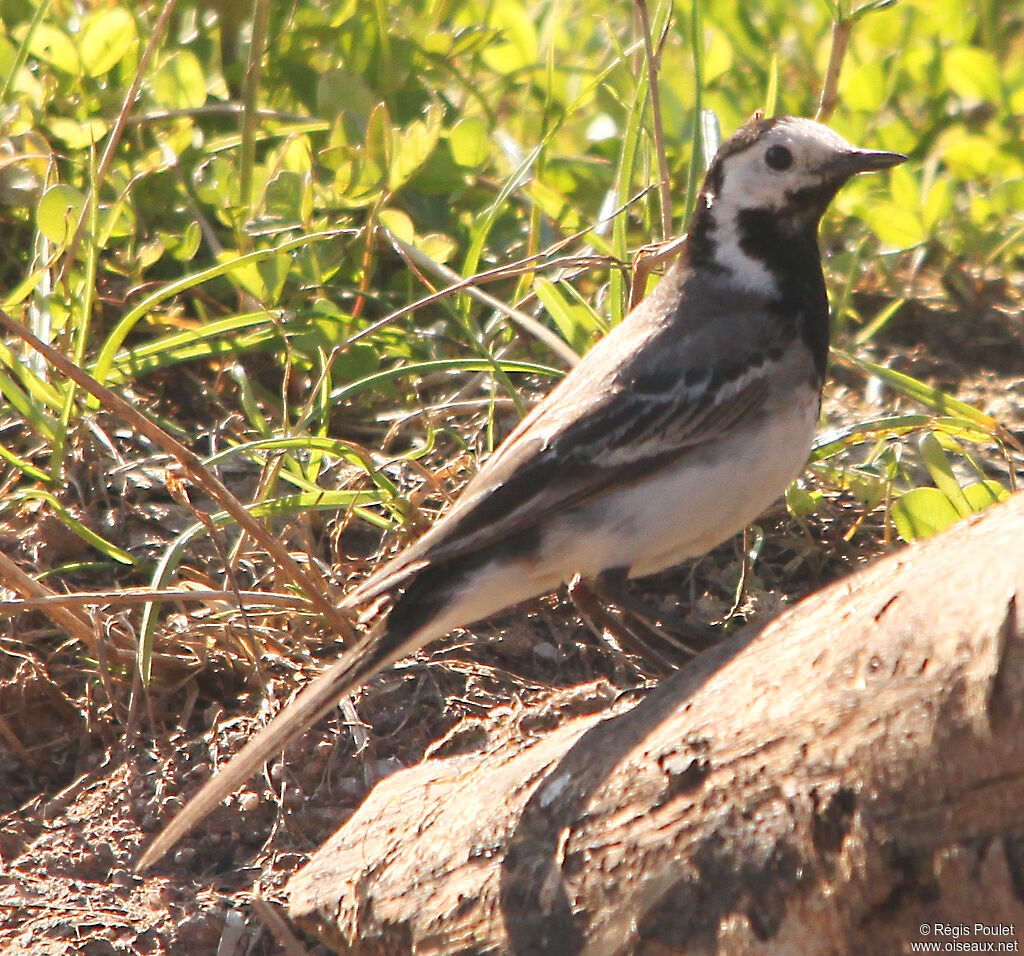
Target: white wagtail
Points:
(672, 434)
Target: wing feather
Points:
(617, 443)
(665, 382)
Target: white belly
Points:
(670, 516)
(683, 513)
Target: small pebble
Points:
(547, 652)
(350, 787)
(387, 767)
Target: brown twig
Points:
(196, 471)
(131, 596)
(653, 65)
(841, 29)
(17, 580)
(646, 260)
(275, 923)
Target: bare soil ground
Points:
(90, 772)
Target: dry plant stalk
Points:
(197, 471)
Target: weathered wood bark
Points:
(848, 780)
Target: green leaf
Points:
(107, 36)
(23, 168)
(555, 205)
(396, 221)
(116, 219)
(937, 462)
(801, 502)
(413, 146)
(221, 337)
(515, 46)
(968, 155)
(938, 203)
(263, 279)
(574, 320)
(341, 91)
(179, 83)
(920, 392)
(116, 337)
(862, 86)
(77, 135)
(871, 7)
(972, 74)
(54, 47)
(896, 225)
(87, 535)
(921, 513)
(468, 142)
(905, 187)
(358, 183)
(879, 321)
(771, 96)
(288, 199)
(379, 138)
(983, 494)
(437, 245)
(58, 212)
(183, 247)
(345, 393)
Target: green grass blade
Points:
(177, 549)
(90, 537)
(120, 332)
(920, 392)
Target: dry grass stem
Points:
(198, 472)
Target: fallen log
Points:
(848, 780)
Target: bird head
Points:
(790, 166)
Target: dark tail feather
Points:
(396, 637)
(386, 644)
(312, 703)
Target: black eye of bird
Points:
(778, 158)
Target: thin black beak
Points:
(867, 160)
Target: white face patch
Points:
(793, 156)
(754, 178)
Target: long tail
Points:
(406, 629)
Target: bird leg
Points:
(602, 622)
(674, 628)
(593, 599)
